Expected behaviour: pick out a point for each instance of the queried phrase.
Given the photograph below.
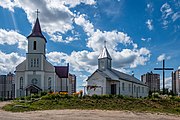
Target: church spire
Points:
(36, 32)
(104, 53)
(104, 59)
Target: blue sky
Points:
(139, 34)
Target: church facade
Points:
(36, 74)
(106, 80)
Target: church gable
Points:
(21, 66)
(96, 73)
(48, 66)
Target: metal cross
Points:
(37, 12)
(163, 69)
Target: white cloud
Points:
(87, 26)
(163, 57)
(9, 4)
(179, 68)
(166, 10)
(176, 16)
(167, 13)
(11, 37)
(55, 15)
(146, 39)
(149, 24)
(150, 8)
(168, 83)
(57, 19)
(126, 57)
(73, 3)
(8, 62)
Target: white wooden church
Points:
(36, 74)
(106, 80)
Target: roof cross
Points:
(37, 12)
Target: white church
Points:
(36, 74)
(106, 80)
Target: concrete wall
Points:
(129, 89)
(96, 80)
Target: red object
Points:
(62, 71)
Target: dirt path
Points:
(82, 115)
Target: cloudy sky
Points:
(139, 34)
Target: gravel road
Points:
(82, 115)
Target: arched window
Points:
(123, 86)
(34, 45)
(37, 62)
(134, 88)
(31, 62)
(49, 83)
(21, 82)
(34, 62)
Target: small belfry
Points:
(104, 59)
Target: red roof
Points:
(62, 71)
(36, 32)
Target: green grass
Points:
(50, 102)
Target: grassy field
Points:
(105, 102)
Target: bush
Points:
(95, 96)
(155, 95)
(43, 93)
(28, 97)
(177, 99)
(35, 96)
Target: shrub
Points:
(43, 93)
(1, 99)
(28, 98)
(35, 96)
(177, 99)
(95, 96)
(21, 98)
(155, 95)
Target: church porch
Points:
(112, 87)
(32, 89)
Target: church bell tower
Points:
(104, 59)
(36, 48)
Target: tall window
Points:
(123, 86)
(21, 83)
(142, 89)
(31, 62)
(129, 87)
(49, 83)
(37, 62)
(34, 45)
(134, 88)
(34, 62)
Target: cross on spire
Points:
(37, 12)
(163, 69)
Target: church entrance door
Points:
(113, 89)
(32, 89)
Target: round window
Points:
(34, 81)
